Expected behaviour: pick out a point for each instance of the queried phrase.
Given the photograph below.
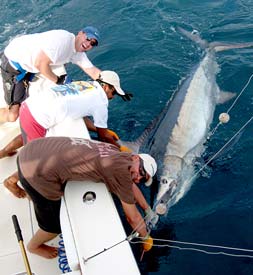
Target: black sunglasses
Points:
(92, 42)
(142, 172)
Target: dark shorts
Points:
(15, 91)
(47, 211)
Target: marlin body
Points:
(176, 138)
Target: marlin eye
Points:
(164, 181)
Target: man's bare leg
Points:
(4, 114)
(9, 114)
(11, 183)
(11, 148)
(37, 244)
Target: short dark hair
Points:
(102, 83)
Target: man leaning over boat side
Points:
(45, 165)
(29, 54)
(76, 100)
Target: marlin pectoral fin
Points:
(224, 97)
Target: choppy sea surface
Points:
(139, 41)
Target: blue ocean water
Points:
(139, 41)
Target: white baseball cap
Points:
(150, 167)
(112, 78)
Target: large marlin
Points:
(176, 138)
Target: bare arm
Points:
(42, 63)
(104, 134)
(92, 72)
(134, 218)
(139, 197)
(151, 218)
(90, 125)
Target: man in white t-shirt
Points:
(33, 53)
(75, 100)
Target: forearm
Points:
(140, 199)
(135, 219)
(42, 63)
(47, 72)
(90, 125)
(139, 225)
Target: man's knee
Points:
(13, 113)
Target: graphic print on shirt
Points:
(73, 88)
(80, 141)
(103, 148)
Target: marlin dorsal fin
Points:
(195, 37)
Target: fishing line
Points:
(232, 105)
(165, 243)
(224, 146)
(200, 250)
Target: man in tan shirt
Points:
(46, 164)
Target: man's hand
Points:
(113, 134)
(125, 149)
(151, 218)
(63, 79)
